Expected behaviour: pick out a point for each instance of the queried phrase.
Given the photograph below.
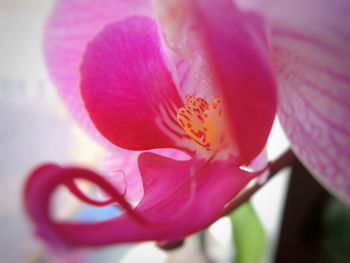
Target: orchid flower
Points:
(199, 77)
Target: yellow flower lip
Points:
(203, 122)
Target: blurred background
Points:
(35, 128)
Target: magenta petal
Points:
(71, 25)
(127, 88)
(236, 46)
(181, 197)
(311, 48)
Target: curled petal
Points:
(127, 88)
(235, 43)
(189, 194)
(71, 26)
(83, 197)
(312, 56)
(39, 189)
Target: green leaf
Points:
(248, 234)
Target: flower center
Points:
(203, 122)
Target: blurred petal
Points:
(236, 48)
(311, 44)
(71, 26)
(128, 90)
(187, 194)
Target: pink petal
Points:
(236, 47)
(311, 44)
(70, 28)
(181, 197)
(128, 90)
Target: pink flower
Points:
(201, 81)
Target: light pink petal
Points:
(183, 46)
(71, 26)
(181, 197)
(120, 169)
(196, 78)
(235, 43)
(311, 44)
(127, 88)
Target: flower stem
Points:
(285, 160)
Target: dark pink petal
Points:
(181, 197)
(71, 26)
(127, 88)
(235, 43)
(311, 44)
